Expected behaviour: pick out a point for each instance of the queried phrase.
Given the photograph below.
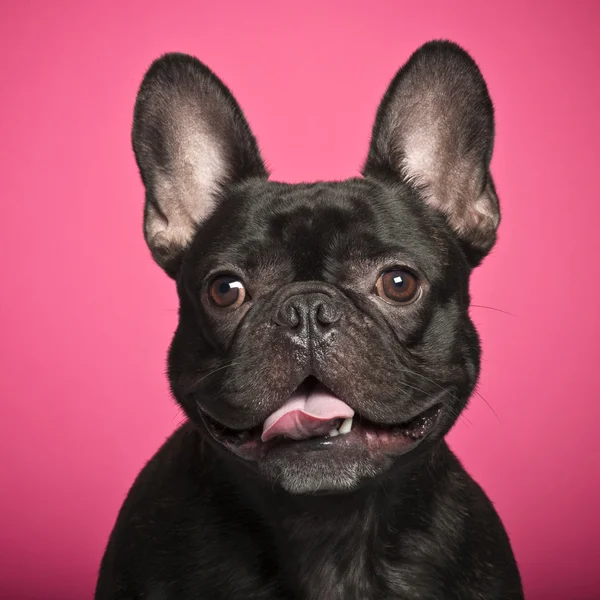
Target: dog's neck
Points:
(343, 545)
(412, 484)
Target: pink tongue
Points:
(306, 415)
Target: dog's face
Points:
(324, 335)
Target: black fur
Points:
(201, 522)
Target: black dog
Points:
(324, 349)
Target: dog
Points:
(324, 349)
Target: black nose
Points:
(304, 312)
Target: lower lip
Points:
(360, 438)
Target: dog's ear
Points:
(190, 140)
(435, 130)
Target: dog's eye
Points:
(227, 291)
(398, 287)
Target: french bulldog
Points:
(323, 351)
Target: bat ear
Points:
(435, 130)
(191, 140)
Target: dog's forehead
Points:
(310, 201)
(309, 227)
(317, 213)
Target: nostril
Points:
(292, 319)
(328, 314)
(315, 311)
(289, 316)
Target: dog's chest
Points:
(366, 580)
(351, 564)
(360, 559)
(337, 579)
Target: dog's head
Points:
(323, 329)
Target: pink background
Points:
(86, 317)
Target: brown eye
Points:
(398, 287)
(227, 291)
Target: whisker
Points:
(206, 375)
(428, 379)
(179, 416)
(475, 391)
(493, 308)
(457, 415)
(489, 405)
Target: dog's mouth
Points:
(314, 418)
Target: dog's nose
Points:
(304, 312)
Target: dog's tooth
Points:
(333, 433)
(346, 426)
